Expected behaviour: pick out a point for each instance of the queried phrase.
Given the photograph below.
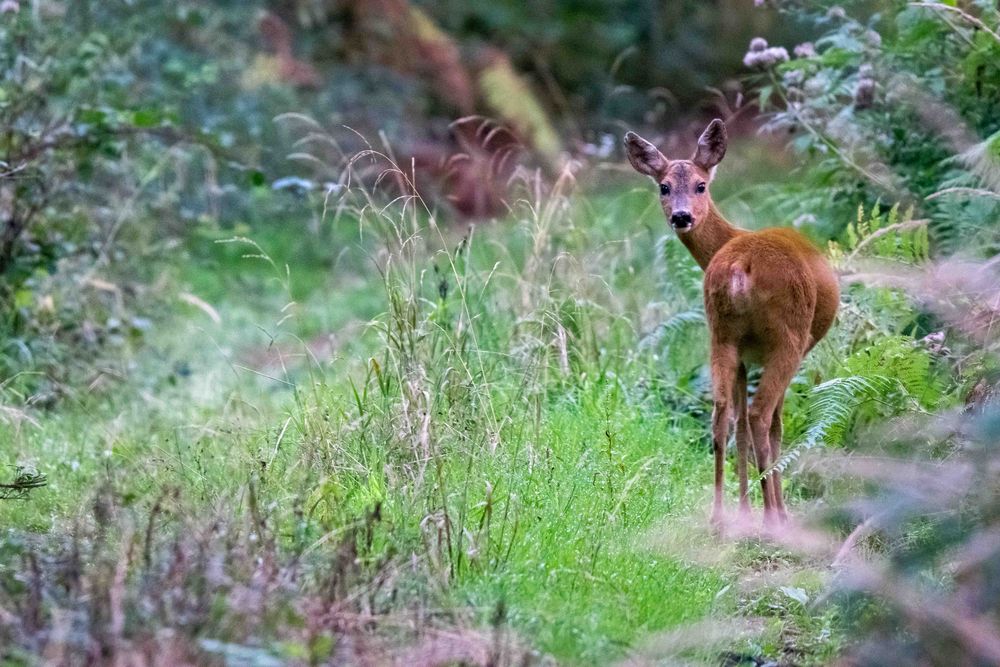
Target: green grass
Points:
(576, 477)
(578, 577)
(471, 427)
(574, 569)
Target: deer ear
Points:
(711, 146)
(644, 156)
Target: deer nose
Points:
(681, 219)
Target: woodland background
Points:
(340, 332)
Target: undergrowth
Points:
(480, 457)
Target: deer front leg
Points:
(725, 362)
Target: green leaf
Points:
(147, 118)
(92, 116)
(796, 594)
(23, 298)
(765, 96)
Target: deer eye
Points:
(664, 189)
(700, 188)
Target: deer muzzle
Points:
(681, 220)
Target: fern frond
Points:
(673, 328)
(887, 235)
(983, 159)
(892, 375)
(833, 407)
(905, 361)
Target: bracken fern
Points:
(833, 408)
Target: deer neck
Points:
(709, 236)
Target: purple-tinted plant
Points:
(899, 106)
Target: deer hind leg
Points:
(774, 439)
(725, 364)
(778, 373)
(742, 438)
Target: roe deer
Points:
(770, 296)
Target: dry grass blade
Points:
(975, 192)
(201, 305)
(704, 639)
(967, 17)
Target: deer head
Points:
(683, 183)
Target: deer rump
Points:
(755, 287)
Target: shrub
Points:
(896, 105)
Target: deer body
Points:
(770, 296)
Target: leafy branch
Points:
(25, 479)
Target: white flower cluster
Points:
(762, 56)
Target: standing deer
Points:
(770, 296)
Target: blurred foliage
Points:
(131, 126)
(918, 578)
(69, 121)
(619, 60)
(518, 370)
(118, 141)
(899, 104)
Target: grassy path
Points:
(299, 455)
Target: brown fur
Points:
(770, 296)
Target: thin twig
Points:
(856, 535)
(965, 15)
